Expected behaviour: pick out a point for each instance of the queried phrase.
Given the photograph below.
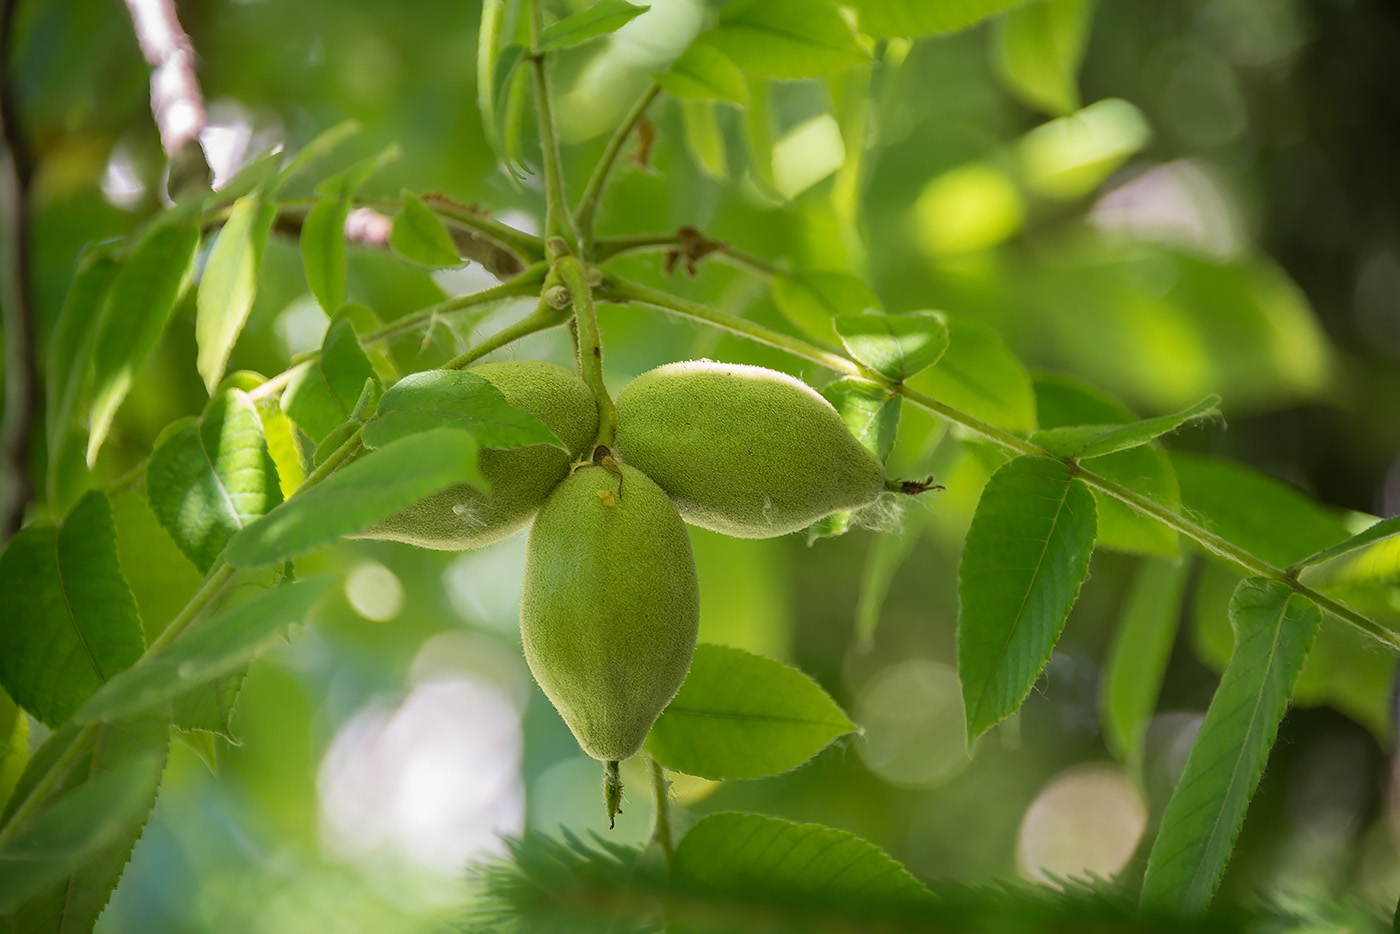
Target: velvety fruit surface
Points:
(610, 607)
(743, 450)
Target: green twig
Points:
(544, 317)
(606, 248)
(527, 283)
(213, 585)
(593, 193)
(622, 290)
(557, 222)
(590, 345)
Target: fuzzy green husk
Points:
(610, 607)
(743, 450)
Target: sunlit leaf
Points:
(454, 399)
(811, 300)
(229, 283)
(823, 869)
(1026, 556)
(210, 477)
(212, 648)
(142, 296)
(1099, 440)
(1137, 659)
(740, 715)
(323, 251)
(704, 139)
(1069, 157)
(68, 621)
(355, 497)
(897, 346)
(599, 19)
(703, 72)
(1274, 629)
(323, 394)
(786, 38)
(14, 744)
(966, 210)
(71, 347)
(979, 375)
(886, 18)
(1038, 49)
(1385, 528)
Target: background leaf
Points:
(1374, 533)
(210, 477)
(323, 251)
(213, 648)
(599, 19)
(811, 300)
(786, 38)
(138, 306)
(454, 399)
(419, 237)
(71, 347)
(229, 283)
(887, 18)
(321, 397)
(740, 715)
(1038, 48)
(820, 867)
(372, 488)
(1026, 556)
(980, 376)
(1137, 658)
(68, 621)
(1274, 629)
(897, 346)
(703, 72)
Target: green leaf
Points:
(73, 901)
(897, 346)
(891, 18)
(786, 38)
(68, 621)
(1038, 49)
(981, 376)
(228, 284)
(14, 744)
(321, 397)
(1137, 659)
(355, 497)
(75, 827)
(1382, 529)
(138, 306)
(740, 715)
(704, 139)
(1373, 565)
(882, 562)
(1026, 556)
(872, 414)
(1065, 402)
(213, 648)
(703, 72)
(323, 251)
(488, 46)
(822, 869)
(454, 399)
(758, 134)
(811, 300)
(1274, 629)
(419, 237)
(600, 19)
(1275, 521)
(321, 146)
(209, 709)
(70, 349)
(210, 477)
(511, 97)
(1140, 433)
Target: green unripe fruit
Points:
(610, 606)
(743, 450)
(520, 479)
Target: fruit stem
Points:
(661, 835)
(612, 792)
(590, 346)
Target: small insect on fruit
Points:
(610, 608)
